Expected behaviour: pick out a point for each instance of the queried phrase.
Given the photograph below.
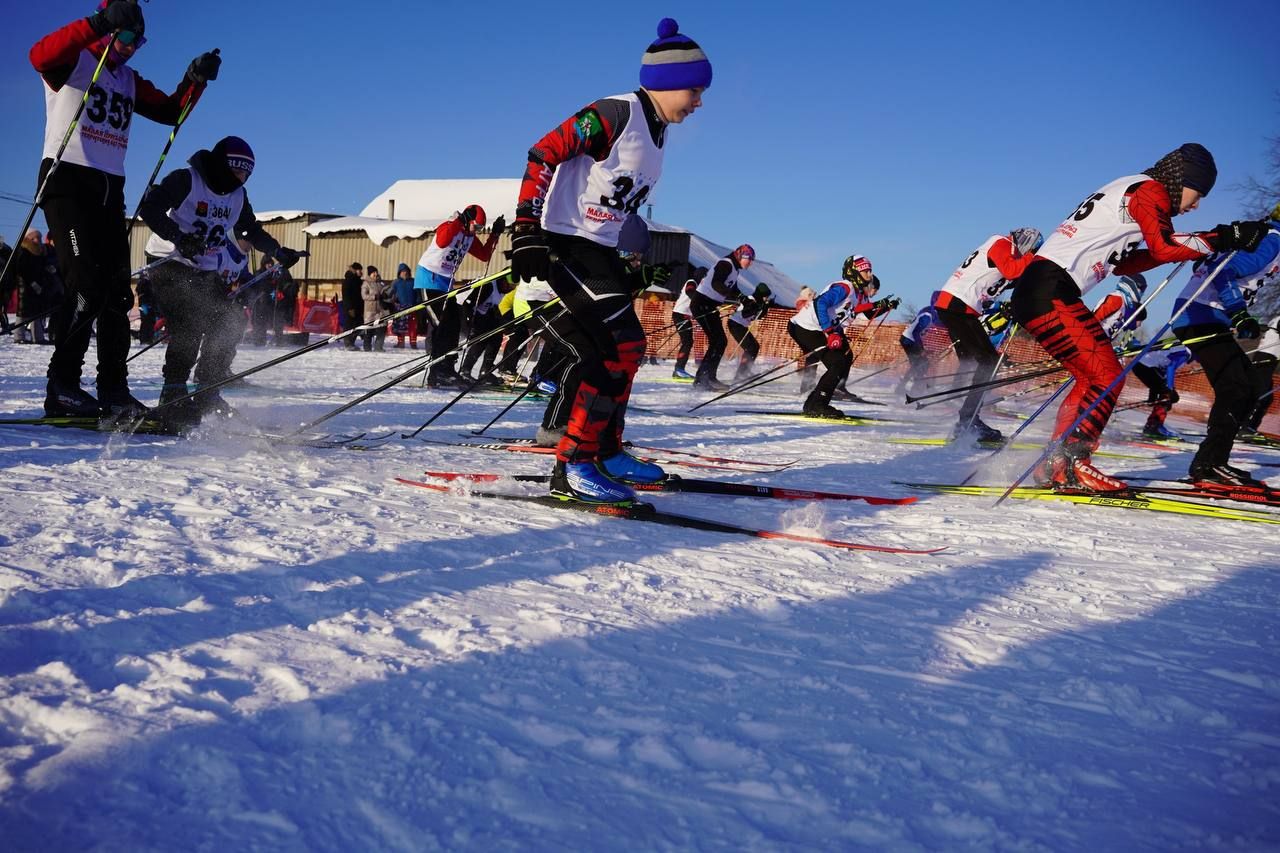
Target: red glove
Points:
(835, 341)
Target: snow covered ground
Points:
(219, 643)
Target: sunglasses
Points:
(129, 38)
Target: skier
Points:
(606, 160)
(962, 301)
(717, 286)
(751, 309)
(1217, 310)
(196, 215)
(1102, 236)
(485, 316)
(819, 329)
(1158, 369)
(1121, 315)
(454, 239)
(912, 342)
(83, 193)
(682, 316)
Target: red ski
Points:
(647, 512)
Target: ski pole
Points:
(188, 103)
(411, 372)
(159, 340)
(213, 386)
(1054, 444)
(465, 391)
(759, 379)
(528, 389)
(1004, 351)
(57, 158)
(426, 305)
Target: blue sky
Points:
(908, 133)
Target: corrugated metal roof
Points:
(435, 201)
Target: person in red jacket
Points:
(83, 198)
(962, 301)
(454, 239)
(1102, 237)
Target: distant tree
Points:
(1261, 194)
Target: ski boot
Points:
(545, 386)
(980, 431)
(67, 400)
(625, 468)
(1223, 475)
(1159, 432)
(844, 395)
(1085, 475)
(822, 410)
(682, 375)
(118, 404)
(212, 403)
(710, 383)
(586, 482)
(176, 410)
(1055, 473)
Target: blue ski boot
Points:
(682, 375)
(626, 468)
(587, 482)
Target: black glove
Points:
(530, 255)
(884, 306)
(1242, 235)
(499, 225)
(655, 275)
(288, 257)
(120, 15)
(205, 67)
(1245, 325)
(189, 246)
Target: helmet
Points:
(1026, 240)
(744, 253)
(855, 266)
(474, 213)
(763, 291)
(1132, 287)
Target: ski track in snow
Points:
(227, 644)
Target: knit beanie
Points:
(1199, 172)
(674, 61)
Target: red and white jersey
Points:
(977, 281)
(444, 260)
(684, 302)
(207, 215)
(592, 199)
(101, 136)
(1101, 234)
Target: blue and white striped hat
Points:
(674, 61)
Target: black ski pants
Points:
(1235, 389)
(684, 328)
(707, 312)
(84, 209)
(837, 363)
(606, 338)
(204, 325)
(973, 346)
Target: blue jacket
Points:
(1225, 295)
(404, 288)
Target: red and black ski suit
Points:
(1046, 302)
(604, 336)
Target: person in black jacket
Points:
(198, 215)
(352, 300)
